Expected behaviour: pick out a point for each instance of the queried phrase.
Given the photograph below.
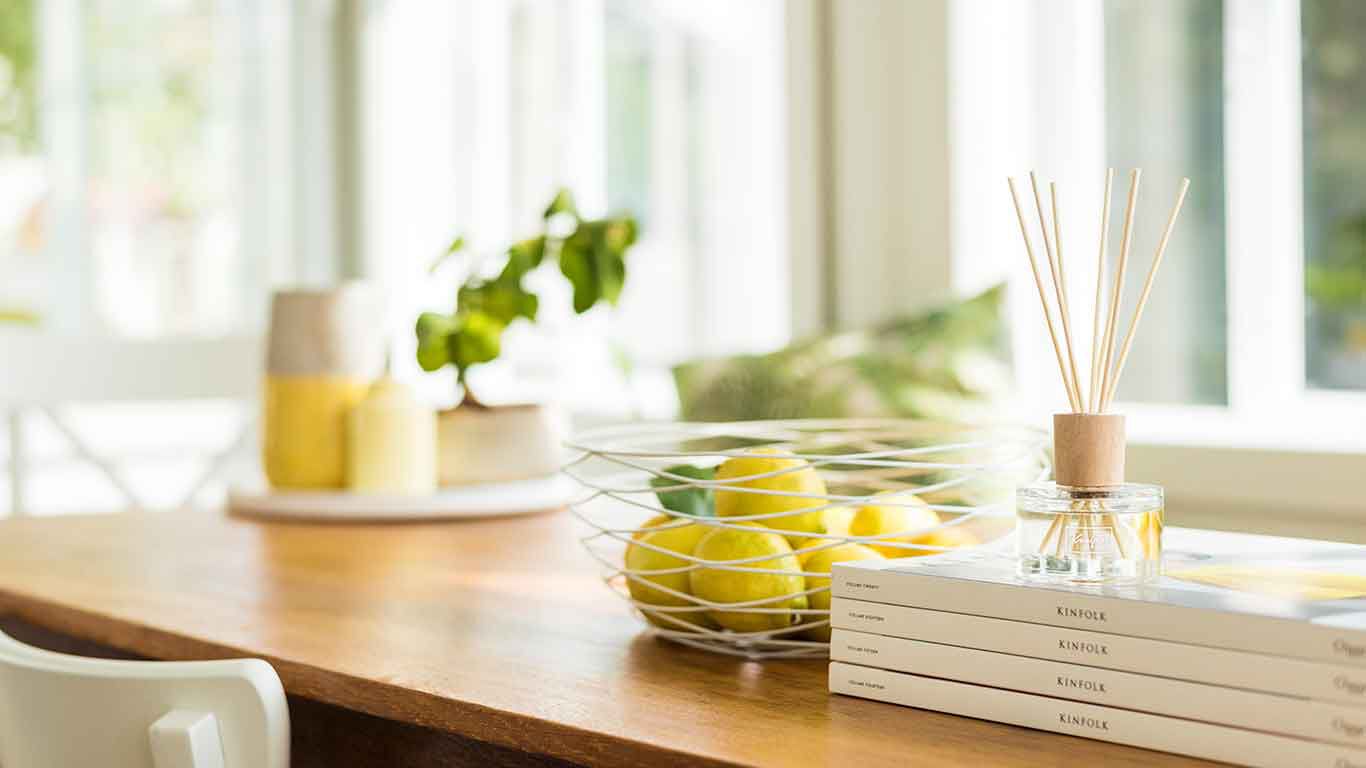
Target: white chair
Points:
(40, 371)
(60, 711)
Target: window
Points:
(163, 181)
(163, 164)
(674, 111)
(1256, 313)
(123, 139)
(1334, 35)
(1164, 113)
(145, 211)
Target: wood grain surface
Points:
(498, 632)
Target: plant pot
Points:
(495, 444)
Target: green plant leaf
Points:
(563, 203)
(621, 234)
(527, 254)
(433, 333)
(591, 255)
(609, 266)
(576, 264)
(593, 258)
(457, 245)
(503, 298)
(478, 339)
(694, 502)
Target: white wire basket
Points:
(966, 476)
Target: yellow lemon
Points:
(805, 544)
(956, 536)
(678, 538)
(820, 562)
(802, 478)
(838, 520)
(776, 590)
(907, 513)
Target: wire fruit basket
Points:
(722, 536)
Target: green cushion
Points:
(950, 363)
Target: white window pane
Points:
(1334, 196)
(162, 187)
(1164, 114)
(127, 131)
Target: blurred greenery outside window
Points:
(1164, 82)
(21, 171)
(18, 79)
(1334, 56)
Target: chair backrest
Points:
(48, 368)
(58, 711)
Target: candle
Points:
(391, 442)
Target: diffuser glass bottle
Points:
(1090, 526)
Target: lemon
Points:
(682, 539)
(956, 536)
(820, 562)
(721, 586)
(907, 513)
(801, 479)
(838, 520)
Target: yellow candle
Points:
(391, 442)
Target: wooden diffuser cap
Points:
(1088, 449)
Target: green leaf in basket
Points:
(694, 502)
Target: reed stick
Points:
(1068, 381)
(1043, 295)
(1118, 531)
(1093, 403)
(1060, 285)
(1052, 529)
(1147, 290)
(1134, 177)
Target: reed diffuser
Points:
(1090, 525)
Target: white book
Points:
(1261, 594)
(1092, 721)
(1288, 716)
(1195, 663)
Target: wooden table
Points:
(479, 643)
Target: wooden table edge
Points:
(544, 737)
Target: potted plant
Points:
(480, 443)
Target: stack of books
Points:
(1250, 649)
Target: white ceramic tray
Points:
(469, 501)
